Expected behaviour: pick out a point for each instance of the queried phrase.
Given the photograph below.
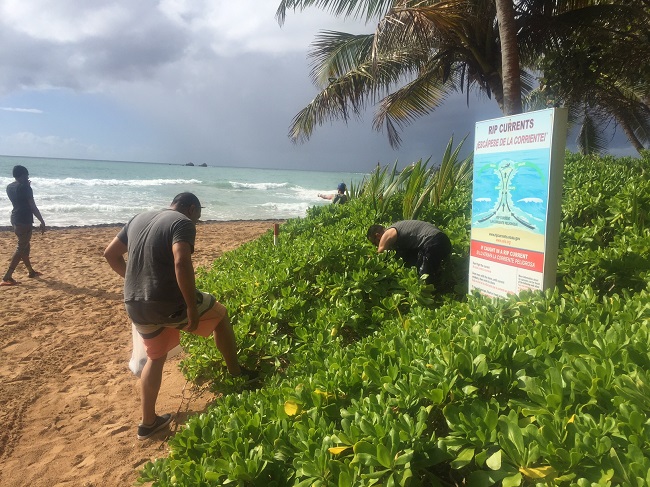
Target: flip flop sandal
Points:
(9, 282)
(35, 274)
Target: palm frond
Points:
(381, 185)
(417, 181)
(536, 100)
(421, 26)
(590, 139)
(450, 173)
(417, 98)
(346, 96)
(336, 53)
(361, 9)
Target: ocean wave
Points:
(43, 182)
(259, 186)
(93, 208)
(530, 200)
(483, 200)
(296, 208)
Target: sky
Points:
(201, 81)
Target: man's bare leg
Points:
(150, 381)
(224, 338)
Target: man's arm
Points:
(185, 278)
(37, 213)
(114, 255)
(388, 240)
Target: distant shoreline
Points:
(8, 228)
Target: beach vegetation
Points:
(373, 377)
(416, 186)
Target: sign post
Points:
(516, 202)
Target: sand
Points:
(69, 405)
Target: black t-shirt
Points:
(413, 236)
(20, 196)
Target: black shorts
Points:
(430, 257)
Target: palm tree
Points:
(602, 75)
(424, 50)
(420, 53)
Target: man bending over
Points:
(161, 298)
(418, 243)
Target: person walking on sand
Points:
(161, 298)
(339, 198)
(22, 218)
(418, 243)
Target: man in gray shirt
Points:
(161, 298)
(418, 243)
(22, 218)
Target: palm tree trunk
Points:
(510, 70)
(634, 140)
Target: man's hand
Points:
(42, 227)
(192, 319)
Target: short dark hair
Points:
(374, 229)
(20, 171)
(185, 200)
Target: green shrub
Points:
(373, 378)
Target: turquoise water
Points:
(83, 192)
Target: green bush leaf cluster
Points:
(372, 377)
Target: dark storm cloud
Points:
(189, 80)
(133, 45)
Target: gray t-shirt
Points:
(151, 292)
(20, 195)
(412, 237)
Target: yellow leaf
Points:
(571, 419)
(337, 449)
(325, 394)
(538, 472)
(291, 408)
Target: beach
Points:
(69, 405)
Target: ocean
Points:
(74, 192)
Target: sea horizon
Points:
(89, 192)
(175, 164)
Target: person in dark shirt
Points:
(161, 298)
(418, 243)
(22, 218)
(339, 198)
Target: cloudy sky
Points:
(174, 81)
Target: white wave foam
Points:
(483, 200)
(530, 200)
(99, 208)
(43, 182)
(260, 186)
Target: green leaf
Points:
(494, 461)
(511, 481)
(463, 458)
(364, 447)
(383, 456)
(212, 476)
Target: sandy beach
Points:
(69, 406)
